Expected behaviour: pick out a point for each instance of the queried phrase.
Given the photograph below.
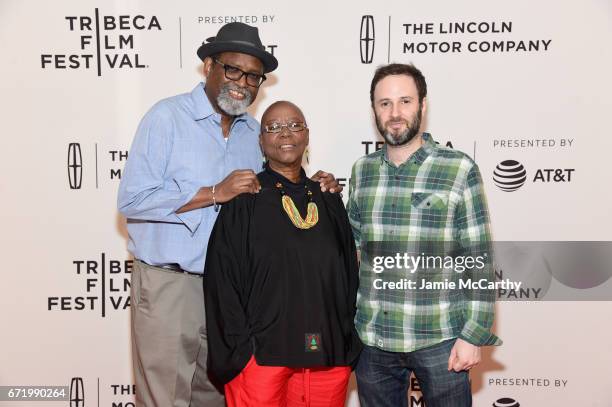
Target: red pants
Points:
(275, 386)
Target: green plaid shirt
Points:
(437, 195)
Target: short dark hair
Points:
(400, 69)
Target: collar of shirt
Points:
(203, 109)
(283, 179)
(427, 149)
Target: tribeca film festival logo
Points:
(366, 39)
(510, 175)
(373, 146)
(105, 42)
(106, 287)
(74, 164)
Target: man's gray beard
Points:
(230, 105)
(412, 129)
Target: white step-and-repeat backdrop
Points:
(512, 83)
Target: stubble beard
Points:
(401, 138)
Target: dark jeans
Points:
(382, 377)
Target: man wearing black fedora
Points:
(191, 153)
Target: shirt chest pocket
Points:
(427, 201)
(431, 212)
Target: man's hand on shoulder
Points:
(327, 181)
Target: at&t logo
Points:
(506, 402)
(510, 175)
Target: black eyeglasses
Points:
(276, 127)
(234, 74)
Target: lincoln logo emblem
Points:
(75, 165)
(366, 39)
(77, 395)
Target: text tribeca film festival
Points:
(104, 42)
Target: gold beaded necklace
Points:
(312, 214)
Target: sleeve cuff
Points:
(478, 335)
(191, 219)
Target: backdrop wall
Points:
(512, 83)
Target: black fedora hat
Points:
(238, 37)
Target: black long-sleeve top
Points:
(283, 294)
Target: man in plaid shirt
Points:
(419, 214)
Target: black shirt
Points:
(283, 294)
